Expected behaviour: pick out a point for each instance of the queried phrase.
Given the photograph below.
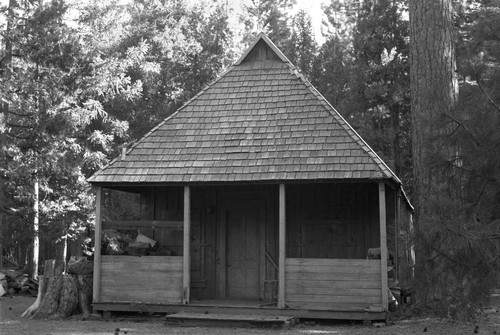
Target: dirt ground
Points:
(12, 324)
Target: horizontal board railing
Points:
(333, 284)
(155, 224)
(152, 279)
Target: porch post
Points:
(186, 275)
(383, 243)
(282, 247)
(96, 290)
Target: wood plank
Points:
(138, 274)
(397, 224)
(133, 266)
(143, 296)
(318, 306)
(332, 276)
(262, 250)
(122, 288)
(221, 249)
(281, 246)
(333, 270)
(313, 290)
(383, 244)
(334, 284)
(152, 224)
(174, 284)
(142, 260)
(186, 251)
(140, 269)
(96, 290)
(333, 299)
(333, 262)
(123, 292)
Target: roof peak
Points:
(261, 49)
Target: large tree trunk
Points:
(434, 93)
(434, 85)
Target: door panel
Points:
(242, 251)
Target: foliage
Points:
(56, 128)
(365, 75)
(75, 86)
(269, 16)
(301, 49)
(184, 48)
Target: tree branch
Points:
(490, 100)
(19, 114)
(19, 126)
(16, 136)
(464, 127)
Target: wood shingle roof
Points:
(259, 121)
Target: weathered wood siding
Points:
(155, 279)
(332, 284)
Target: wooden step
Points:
(236, 320)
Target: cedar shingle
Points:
(259, 121)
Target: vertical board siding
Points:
(148, 279)
(96, 286)
(186, 277)
(282, 246)
(332, 284)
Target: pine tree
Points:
(364, 73)
(455, 170)
(57, 130)
(268, 16)
(301, 49)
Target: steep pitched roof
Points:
(259, 121)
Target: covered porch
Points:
(299, 248)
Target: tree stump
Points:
(64, 296)
(68, 302)
(50, 302)
(85, 294)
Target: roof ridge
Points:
(362, 143)
(161, 123)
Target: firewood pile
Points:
(132, 243)
(14, 282)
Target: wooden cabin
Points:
(260, 198)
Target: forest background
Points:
(79, 80)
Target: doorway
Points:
(241, 254)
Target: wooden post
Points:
(282, 247)
(383, 244)
(186, 275)
(96, 291)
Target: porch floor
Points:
(233, 303)
(235, 307)
(183, 318)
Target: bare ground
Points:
(12, 324)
